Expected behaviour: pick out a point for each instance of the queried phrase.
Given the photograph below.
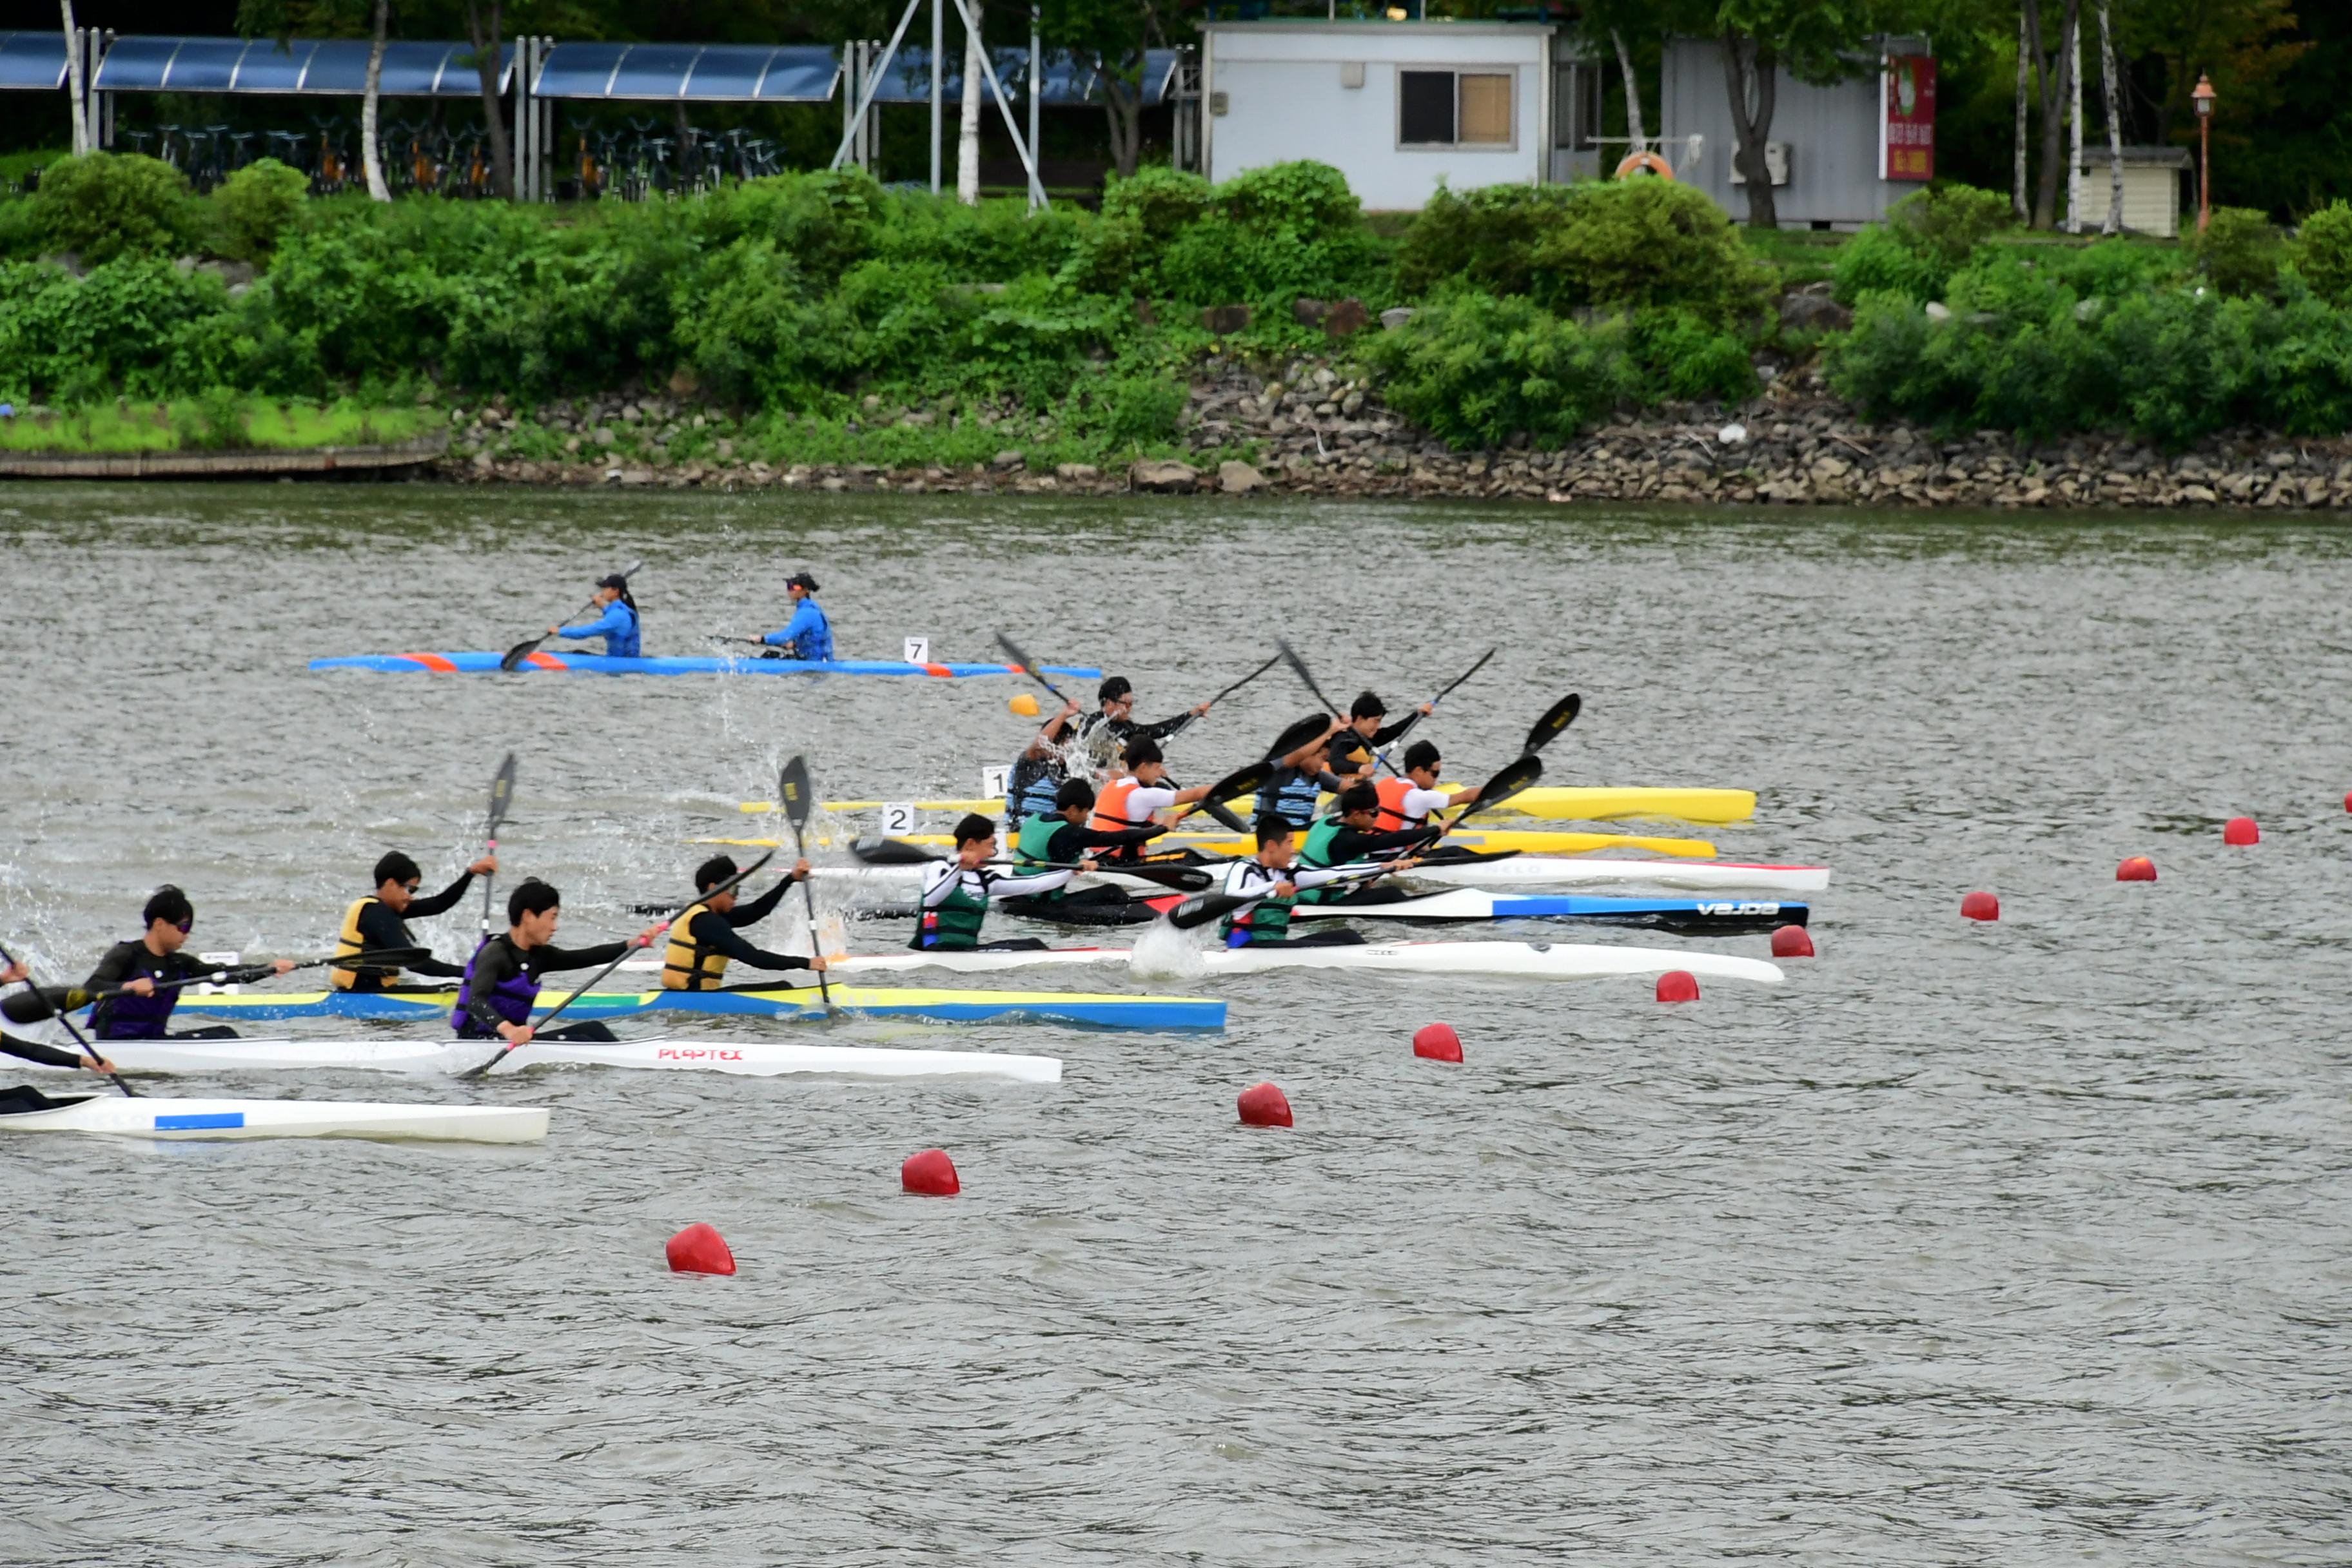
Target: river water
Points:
(1970, 1244)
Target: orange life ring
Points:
(1645, 161)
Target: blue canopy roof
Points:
(35, 60)
(329, 66)
(694, 73)
(1070, 81)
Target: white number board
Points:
(919, 650)
(897, 817)
(994, 780)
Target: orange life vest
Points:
(1111, 806)
(1392, 818)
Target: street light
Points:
(2203, 99)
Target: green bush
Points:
(1949, 222)
(105, 205)
(1649, 244)
(1485, 237)
(1476, 369)
(257, 205)
(1685, 359)
(2322, 253)
(1304, 197)
(2240, 251)
(1128, 411)
(1160, 202)
(1875, 261)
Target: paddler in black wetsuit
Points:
(135, 987)
(380, 920)
(704, 939)
(501, 982)
(1105, 732)
(1368, 733)
(25, 1098)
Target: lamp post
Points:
(2203, 99)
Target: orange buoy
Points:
(1645, 164)
(1792, 942)
(698, 1249)
(1024, 703)
(930, 1174)
(2241, 830)
(1438, 1042)
(1264, 1105)
(2139, 869)
(1677, 986)
(1981, 906)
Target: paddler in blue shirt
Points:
(1039, 773)
(808, 635)
(618, 625)
(1299, 778)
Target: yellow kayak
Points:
(1576, 803)
(1527, 840)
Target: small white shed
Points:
(1398, 107)
(2152, 180)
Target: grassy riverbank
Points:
(210, 424)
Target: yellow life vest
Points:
(685, 967)
(348, 943)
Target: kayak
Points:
(1103, 1012)
(1589, 804)
(440, 1052)
(1714, 915)
(154, 1117)
(1524, 959)
(605, 664)
(1518, 871)
(1526, 840)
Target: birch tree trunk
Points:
(2075, 135)
(74, 84)
(2017, 175)
(967, 139)
(371, 152)
(2114, 224)
(1633, 129)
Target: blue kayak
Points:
(605, 664)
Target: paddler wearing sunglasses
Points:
(380, 919)
(145, 969)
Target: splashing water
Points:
(1162, 951)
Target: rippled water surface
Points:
(2010, 1244)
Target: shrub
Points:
(1649, 242)
(1949, 222)
(1160, 202)
(1876, 262)
(1476, 369)
(1128, 411)
(1487, 237)
(1306, 198)
(2322, 253)
(257, 205)
(1270, 235)
(825, 220)
(1685, 359)
(105, 205)
(2240, 251)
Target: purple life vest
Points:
(138, 1017)
(511, 999)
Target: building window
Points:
(1454, 109)
(1577, 107)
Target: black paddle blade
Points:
(1234, 785)
(1201, 907)
(1463, 676)
(1506, 783)
(1289, 656)
(501, 794)
(1295, 736)
(792, 789)
(1557, 716)
(520, 651)
(877, 850)
(1014, 652)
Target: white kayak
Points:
(1518, 871)
(152, 1117)
(1527, 959)
(755, 1058)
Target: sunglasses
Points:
(184, 927)
(410, 887)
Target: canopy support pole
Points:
(938, 81)
(872, 85)
(1011, 129)
(1036, 94)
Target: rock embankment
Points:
(1313, 428)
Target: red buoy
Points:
(2241, 830)
(1981, 906)
(2139, 869)
(1264, 1105)
(1677, 986)
(1438, 1042)
(930, 1174)
(698, 1249)
(1792, 942)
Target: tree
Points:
(2053, 84)
(486, 42)
(280, 19)
(974, 86)
(1112, 37)
(74, 93)
(2115, 220)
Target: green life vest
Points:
(1032, 848)
(1269, 920)
(1317, 852)
(953, 924)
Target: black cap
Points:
(612, 580)
(802, 580)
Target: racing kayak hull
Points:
(1521, 959)
(1101, 1011)
(441, 1053)
(605, 664)
(151, 1117)
(1526, 840)
(1712, 916)
(1518, 871)
(1579, 803)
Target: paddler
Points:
(1368, 733)
(704, 939)
(148, 971)
(1299, 779)
(1272, 881)
(1067, 837)
(1039, 773)
(808, 635)
(380, 919)
(619, 624)
(36, 1050)
(1137, 795)
(1407, 799)
(956, 893)
(501, 980)
(1108, 730)
(1350, 835)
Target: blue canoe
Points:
(605, 664)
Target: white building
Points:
(1397, 107)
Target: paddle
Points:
(1242, 781)
(523, 650)
(1201, 907)
(877, 851)
(78, 1038)
(792, 789)
(501, 794)
(1028, 669)
(729, 886)
(383, 960)
(1416, 716)
(1557, 716)
(1022, 658)
(1244, 680)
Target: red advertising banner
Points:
(1906, 128)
